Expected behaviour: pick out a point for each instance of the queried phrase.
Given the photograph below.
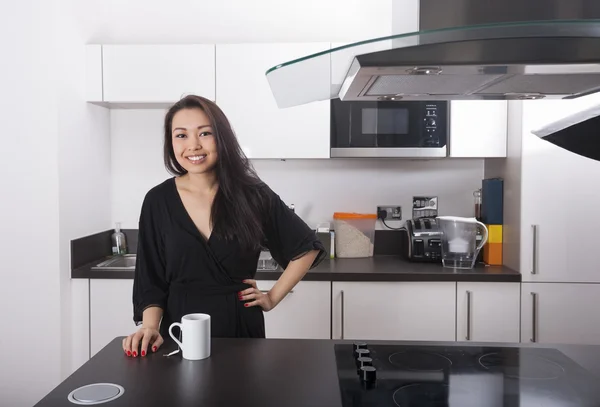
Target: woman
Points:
(201, 233)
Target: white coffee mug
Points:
(195, 336)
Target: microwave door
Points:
(387, 129)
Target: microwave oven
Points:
(389, 128)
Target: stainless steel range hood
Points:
(491, 56)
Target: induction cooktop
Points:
(461, 376)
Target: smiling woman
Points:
(201, 233)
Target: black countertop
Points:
(378, 268)
(251, 372)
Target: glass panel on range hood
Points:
(497, 61)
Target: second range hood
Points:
(505, 61)
(578, 133)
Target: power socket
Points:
(389, 212)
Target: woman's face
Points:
(194, 142)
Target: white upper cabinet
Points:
(264, 130)
(93, 74)
(478, 128)
(151, 74)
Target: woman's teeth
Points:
(196, 158)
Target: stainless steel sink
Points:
(124, 262)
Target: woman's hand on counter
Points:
(146, 337)
(260, 298)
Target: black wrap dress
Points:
(180, 271)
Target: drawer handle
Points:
(469, 294)
(534, 333)
(534, 265)
(342, 313)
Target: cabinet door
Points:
(488, 312)
(157, 73)
(555, 183)
(560, 313)
(394, 310)
(80, 323)
(111, 311)
(93, 73)
(263, 129)
(303, 314)
(478, 128)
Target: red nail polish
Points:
(128, 353)
(245, 305)
(134, 354)
(154, 348)
(143, 353)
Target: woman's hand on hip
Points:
(143, 340)
(259, 298)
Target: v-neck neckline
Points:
(190, 221)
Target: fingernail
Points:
(134, 354)
(143, 353)
(154, 348)
(245, 305)
(128, 353)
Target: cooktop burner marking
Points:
(528, 366)
(420, 361)
(422, 395)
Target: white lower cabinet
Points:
(303, 314)
(111, 311)
(488, 312)
(560, 313)
(419, 311)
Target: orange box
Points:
(494, 233)
(492, 254)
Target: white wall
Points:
(316, 187)
(509, 169)
(29, 213)
(84, 170)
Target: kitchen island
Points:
(304, 373)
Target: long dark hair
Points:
(238, 206)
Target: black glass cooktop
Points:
(430, 376)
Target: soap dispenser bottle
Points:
(119, 242)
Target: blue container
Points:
(492, 201)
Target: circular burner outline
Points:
(412, 385)
(422, 352)
(72, 399)
(512, 376)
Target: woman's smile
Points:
(196, 159)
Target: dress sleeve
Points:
(287, 236)
(150, 287)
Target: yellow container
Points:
(494, 233)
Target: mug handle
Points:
(174, 324)
(485, 236)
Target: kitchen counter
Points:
(279, 372)
(378, 268)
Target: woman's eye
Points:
(205, 133)
(179, 135)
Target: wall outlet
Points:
(389, 212)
